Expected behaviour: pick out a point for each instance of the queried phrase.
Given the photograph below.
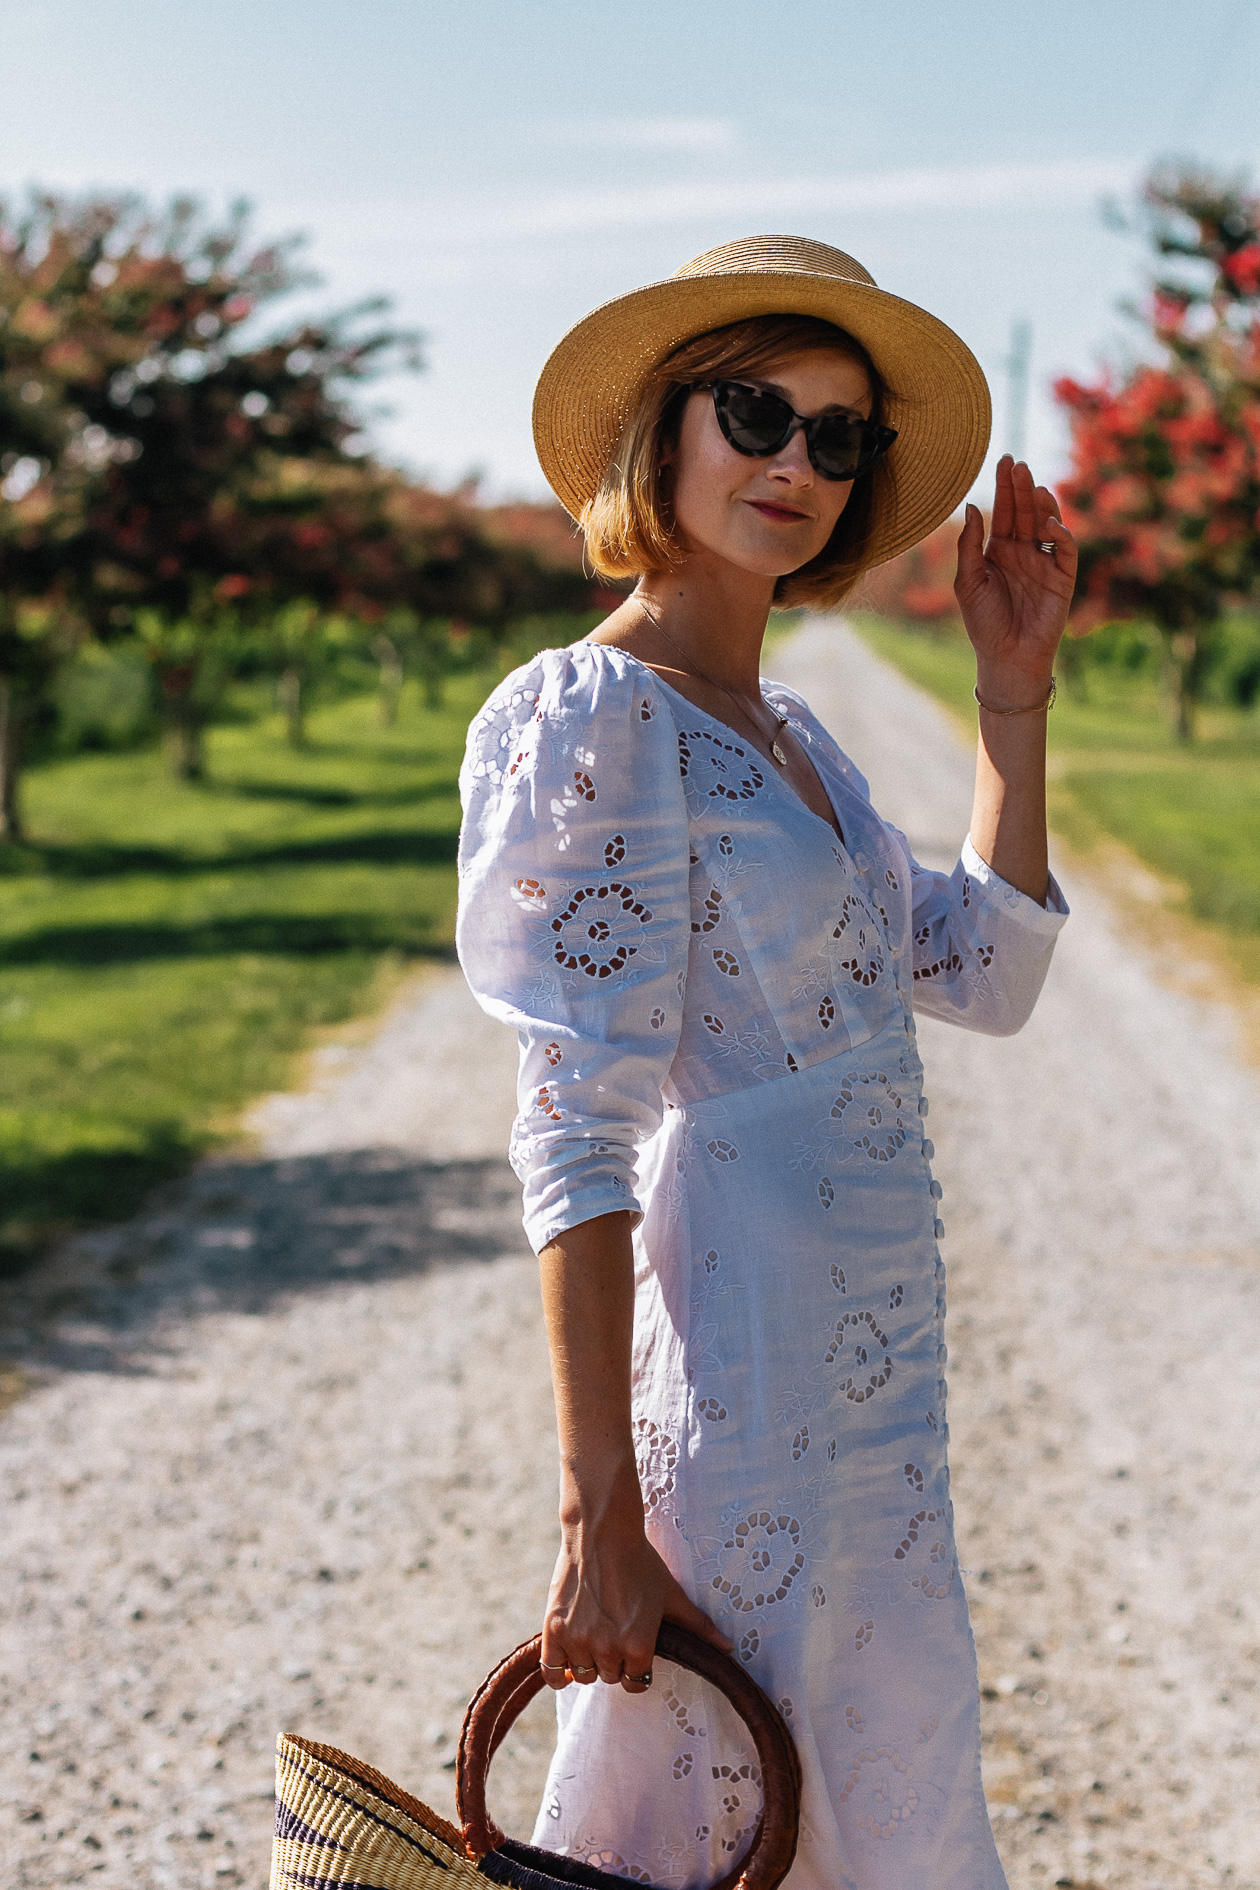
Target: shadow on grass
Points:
(107, 860)
(241, 1236)
(447, 788)
(271, 934)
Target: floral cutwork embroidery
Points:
(586, 929)
(737, 1820)
(682, 1716)
(827, 1195)
(864, 1636)
(937, 1580)
(837, 1278)
(939, 967)
(682, 1765)
(717, 769)
(615, 850)
(726, 846)
(884, 1773)
(500, 736)
(748, 1644)
(722, 1151)
(547, 1103)
(874, 1117)
(860, 1346)
(646, 712)
(826, 1013)
(656, 1457)
(914, 1477)
(712, 912)
(711, 1409)
(584, 785)
(800, 1443)
(895, 1296)
(531, 894)
(553, 1054)
(859, 953)
(727, 962)
(657, 1019)
(714, 1023)
(853, 1719)
(759, 1561)
(818, 1595)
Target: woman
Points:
(675, 888)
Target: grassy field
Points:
(1192, 813)
(165, 947)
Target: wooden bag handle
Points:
(506, 1692)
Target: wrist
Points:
(601, 1496)
(1006, 690)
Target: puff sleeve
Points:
(574, 918)
(981, 947)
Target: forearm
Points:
(1008, 815)
(588, 1301)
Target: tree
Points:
(158, 451)
(1164, 492)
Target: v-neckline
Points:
(834, 827)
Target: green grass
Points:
(1192, 812)
(166, 947)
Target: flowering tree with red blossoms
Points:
(1164, 492)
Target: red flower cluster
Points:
(1164, 492)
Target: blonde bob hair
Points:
(629, 524)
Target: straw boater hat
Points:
(939, 400)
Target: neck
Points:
(716, 618)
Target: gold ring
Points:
(549, 1666)
(640, 1679)
(576, 1670)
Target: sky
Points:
(499, 167)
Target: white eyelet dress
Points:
(715, 999)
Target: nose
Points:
(792, 462)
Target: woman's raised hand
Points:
(609, 1594)
(1014, 597)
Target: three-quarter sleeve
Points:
(574, 918)
(981, 947)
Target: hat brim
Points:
(938, 397)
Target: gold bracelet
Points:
(1034, 708)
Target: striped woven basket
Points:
(342, 1825)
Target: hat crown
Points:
(762, 255)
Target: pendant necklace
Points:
(780, 721)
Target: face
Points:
(768, 516)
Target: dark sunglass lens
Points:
(840, 445)
(753, 422)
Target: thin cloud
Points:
(634, 134)
(1033, 187)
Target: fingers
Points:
(682, 1610)
(971, 573)
(1054, 530)
(1025, 504)
(1002, 524)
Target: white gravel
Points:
(285, 1455)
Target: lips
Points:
(786, 514)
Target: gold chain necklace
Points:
(780, 721)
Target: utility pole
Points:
(1017, 365)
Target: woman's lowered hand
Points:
(610, 1593)
(611, 1590)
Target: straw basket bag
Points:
(341, 1825)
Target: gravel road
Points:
(279, 1453)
